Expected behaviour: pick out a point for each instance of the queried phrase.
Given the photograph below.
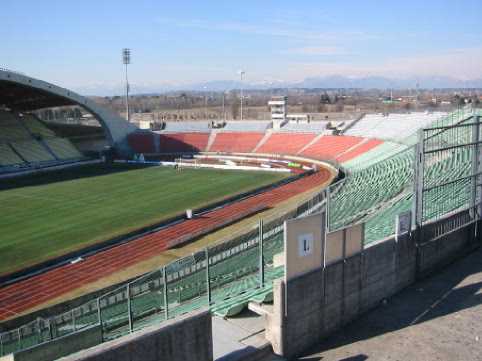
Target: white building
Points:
(279, 110)
(298, 118)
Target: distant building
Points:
(279, 109)
(298, 118)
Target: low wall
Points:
(59, 347)
(311, 306)
(187, 338)
(443, 250)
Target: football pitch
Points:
(50, 214)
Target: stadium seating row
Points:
(393, 126)
(380, 199)
(247, 126)
(242, 142)
(376, 154)
(331, 146)
(25, 141)
(312, 127)
(318, 146)
(281, 143)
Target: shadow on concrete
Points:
(243, 354)
(434, 297)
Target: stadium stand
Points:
(382, 189)
(329, 146)
(282, 143)
(376, 154)
(36, 127)
(142, 142)
(183, 142)
(26, 141)
(8, 157)
(247, 126)
(391, 127)
(358, 150)
(11, 129)
(364, 191)
(62, 148)
(32, 151)
(189, 126)
(242, 142)
(312, 127)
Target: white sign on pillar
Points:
(303, 238)
(305, 244)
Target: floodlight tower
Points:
(126, 59)
(205, 88)
(241, 74)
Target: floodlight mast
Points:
(126, 58)
(241, 73)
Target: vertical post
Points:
(51, 334)
(166, 303)
(224, 106)
(475, 167)
(126, 59)
(327, 209)
(241, 73)
(127, 98)
(418, 182)
(72, 316)
(19, 343)
(129, 307)
(419, 162)
(208, 278)
(205, 104)
(99, 316)
(1, 345)
(261, 253)
(39, 329)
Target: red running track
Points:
(36, 290)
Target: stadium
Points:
(118, 229)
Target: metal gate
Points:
(448, 178)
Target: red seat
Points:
(286, 143)
(183, 142)
(359, 150)
(142, 142)
(232, 142)
(330, 146)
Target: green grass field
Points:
(48, 215)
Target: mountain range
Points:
(327, 82)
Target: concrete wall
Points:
(443, 250)
(311, 306)
(187, 338)
(59, 347)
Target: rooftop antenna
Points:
(126, 59)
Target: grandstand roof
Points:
(22, 93)
(22, 97)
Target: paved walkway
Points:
(439, 318)
(239, 338)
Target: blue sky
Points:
(77, 44)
